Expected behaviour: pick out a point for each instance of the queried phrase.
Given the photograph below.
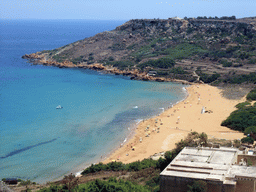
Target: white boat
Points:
(59, 107)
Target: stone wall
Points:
(245, 185)
(180, 184)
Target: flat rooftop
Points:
(216, 164)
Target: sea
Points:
(100, 111)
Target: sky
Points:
(124, 9)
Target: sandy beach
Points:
(175, 123)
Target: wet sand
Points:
(175, 123)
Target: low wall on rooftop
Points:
(247, 159)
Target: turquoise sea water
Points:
(41, 143)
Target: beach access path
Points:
(175, 123)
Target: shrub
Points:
(190, 30)
(134, 166)
(112, 185)
(90, 58)
(252, 61)
(251, 95)
(243, 55)
(243, 105)
(198, 186)
(27, 182)
(159, 63)
(111, 58)
(241, 119)
(177, 70)
(225, 63)
(117, 46)
(232, 49)
(120, 64)
(251, 130)
(250, 78)
(247, 140)
(208, 78)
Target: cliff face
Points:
(203, 47)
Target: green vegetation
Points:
(133, 46)
(216, 18)
(111, 58)
(251, 131)
(159, 63)
(249, 162)
(198, 186)
(252, 61)
(238, 79)
(112, 184)
(178, 70)
(144, 42)
(117, 46)
(243, 105)
(225, 63)
(249, 140)
(244, 119)
(144, 175)
(60, 58)
(252, 95)
(120, 64)
(109, 185)
(207, 78)
(119, 166)
(77, 60)
(241, 119)
(152, 49)
(90, 58)
(182, 51)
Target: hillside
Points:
(216, 50)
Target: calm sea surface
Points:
(41, 143)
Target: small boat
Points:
(59, 107)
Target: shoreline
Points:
(40, 59)
(131, 134)
(164, 139)
(172, 130)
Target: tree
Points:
(70, 182)
(198, 186)
(247, 140)
(251, 131)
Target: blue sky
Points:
(123, 9)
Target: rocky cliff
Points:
(211, 50)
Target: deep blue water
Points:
(41, 143)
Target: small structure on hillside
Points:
(152, 73)
(223, 169)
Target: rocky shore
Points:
(39, 59)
